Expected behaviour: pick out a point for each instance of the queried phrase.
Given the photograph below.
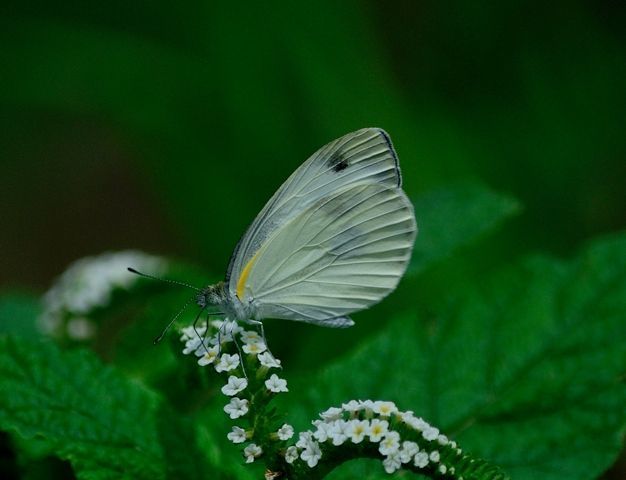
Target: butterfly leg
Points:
(243, 368)
(259, 324)
(202, 338)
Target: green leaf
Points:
(526, 371)
(454, 216)
(102, 423)
(18, 312)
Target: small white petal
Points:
(209, 356)
(434, 456)
(333, 413)
(420, 460)
(227, 363)
(312, 454)
(358, 429)
(275, 384)
(430, 433)
(234, 386)
(251, 452)
(248, 336)
(390, 444)
(254, 348)
(236, 407)
(285, 432)
(305, 439)
(352, 406)
(267, 360)
(378, 428)
(291, 454)
(385, 409)
(392, 462)
(237, 435)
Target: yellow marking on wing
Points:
(241, 284)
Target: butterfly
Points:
(334, 239)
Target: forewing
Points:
(362, 157)
(342, 254)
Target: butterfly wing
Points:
(361, 157)
(343, 253)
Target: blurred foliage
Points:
(165, 127)
(526, 369)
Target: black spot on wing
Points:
(337, 162)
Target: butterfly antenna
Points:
(160, 337)
(174, 282)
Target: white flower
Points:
(88, 284)
(338, 432)
(442, 469)
(305, 439)
(408, 451)
(248, 336)
(236, 407)
(220, 337)
(452, 444)
(188, 332)
(276, 384)
(390, 444)
(385, 409)
(430, 433)
(434, 456)
(352, 406)
(227, 363)
(267, 360)
(442, 440)
(406, 417)
(251, 452)
(333, 413)
(227, 328)
(392, 462)
(291, 454)
(210, 354)
(234, 386)
(192, 345)
(357, 429)
(323, 430)
(285, 432)
(417, 423)
(203, 346)
(237, 435)
(377, 429)
(254, 348)
(367, 405)
(311, 454)
(420, 460)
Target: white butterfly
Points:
(334, 239)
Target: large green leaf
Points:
(102, 423)
(456, 215)
(526, 370)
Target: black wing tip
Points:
(394, 155)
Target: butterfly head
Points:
(211, 295)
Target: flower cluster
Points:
(244, 360)
(400, 438)
(88, 284)
(358, 428)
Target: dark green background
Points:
(165, 126)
